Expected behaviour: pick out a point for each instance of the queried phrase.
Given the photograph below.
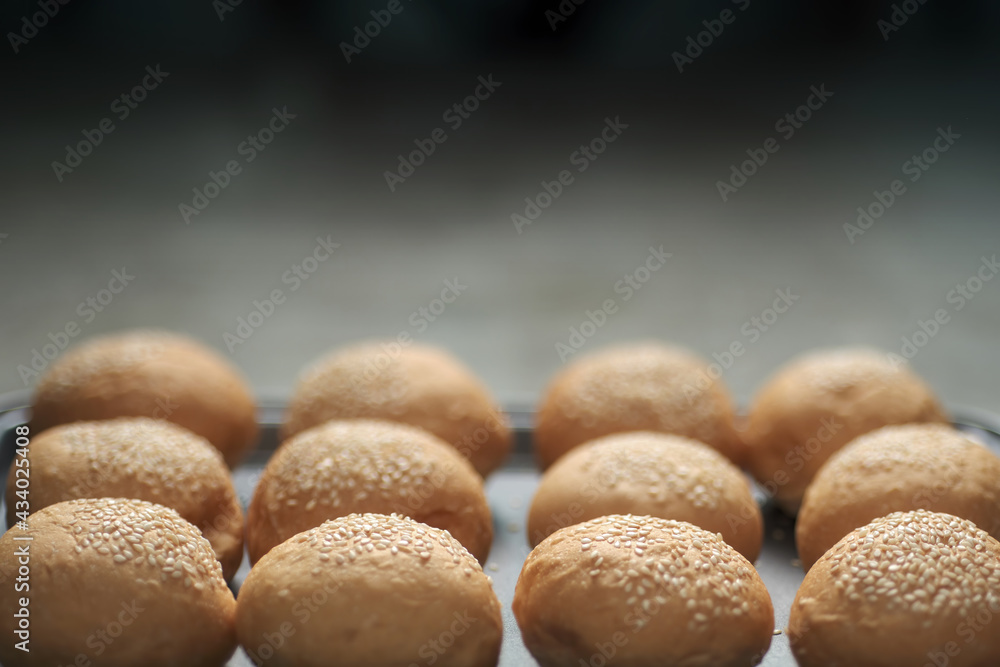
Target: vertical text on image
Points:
(22, 506)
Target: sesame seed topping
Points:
(654, 560)
(921, 563)
(133, 531)
(345, 539)
(345, 466)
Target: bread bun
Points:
(638, 387)
(120, 583)
(417, 385)
(653, 474)
(150, 374)
(911, 588)
(897, 469)
(368, 590)
(356, 466)
(638, 590)
(818, 403)
(141, 458)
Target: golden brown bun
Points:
(121, 582)
(653, 474)
(136, 457)
(155, 374)
(897, 469)
(356, 466)
(417, 385)
(649, 591)
(368, 590)
(904, 590)
(818, 403)
(639, 387)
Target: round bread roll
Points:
(653, 474)
(141, 458)
(150, 374)
(357, 466)
(911, 588)
(638, 590)
(114, 582)
(896, 469)
(639, 387)
(370, 589)
(417, 385)
(817, 404)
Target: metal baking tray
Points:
(510, 490)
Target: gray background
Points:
(656, 185)
(524, 291)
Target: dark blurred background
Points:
(894, 87)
